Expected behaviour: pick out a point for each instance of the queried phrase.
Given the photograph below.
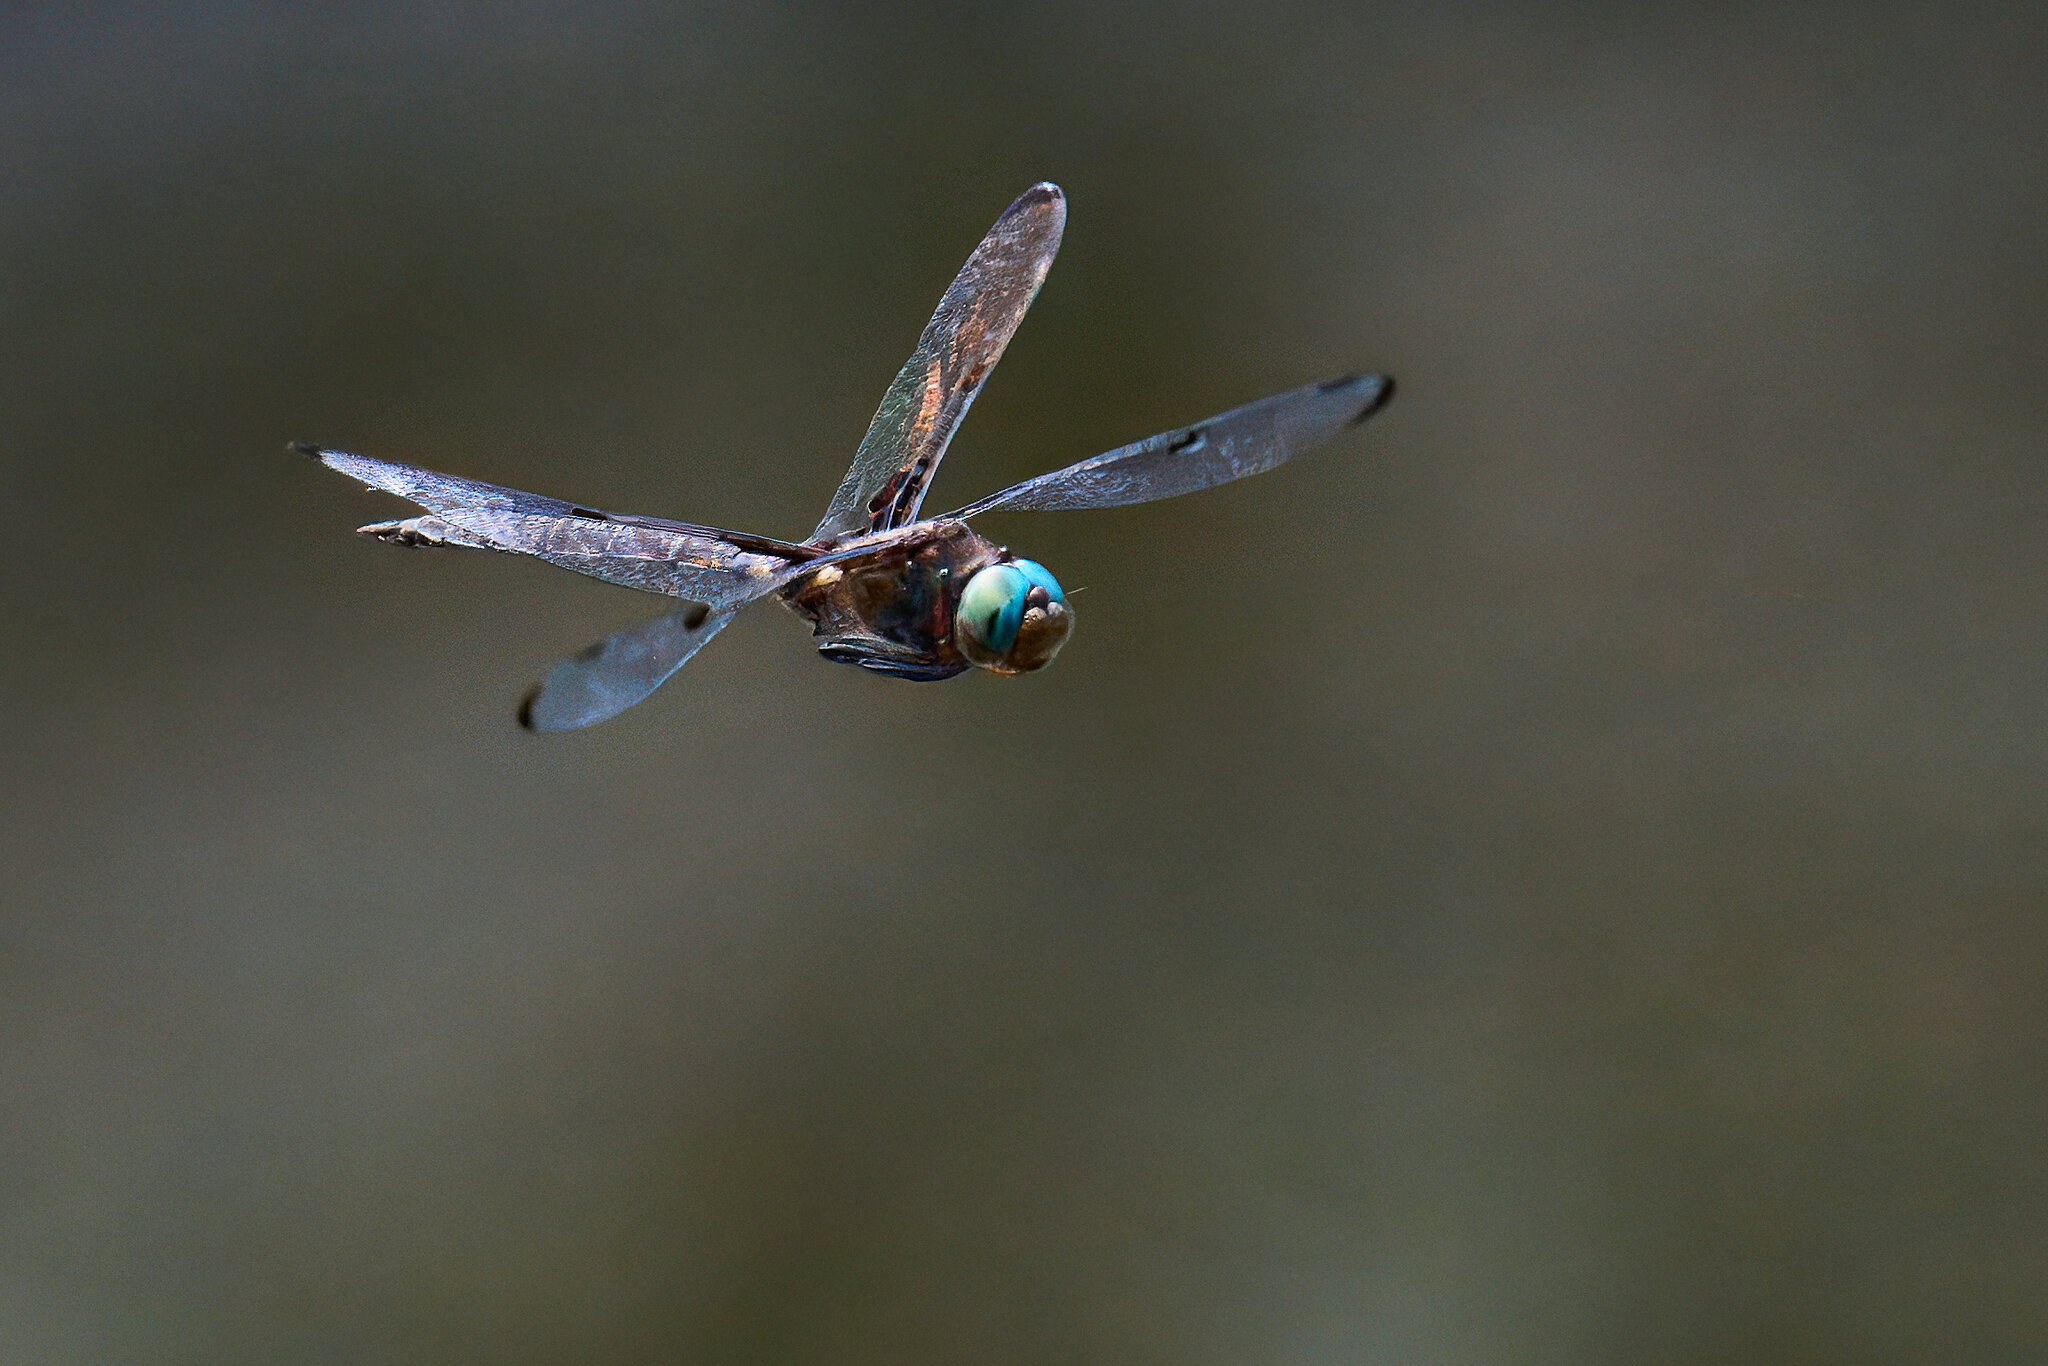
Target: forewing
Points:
(960, 346)
(678, 559)
(1247, 440)
(620, 670)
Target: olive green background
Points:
(1557, 876)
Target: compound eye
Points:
(1040, 577)
(990, 611)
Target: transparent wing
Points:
(621, 669)
(960, 345)
(1247, 440)
(678, 559)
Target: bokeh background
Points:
(1557, 877)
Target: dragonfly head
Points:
(1012, 617)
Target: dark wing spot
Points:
(1376, 402)
(305, 448)
(698, 611)
(590, 652)
(1044, 192)
(1190, 440)
(592, 513)
(886, 495)
(526, 706)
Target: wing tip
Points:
(305, 448)
(1382, 391)
(525, 712)
(1044, 197)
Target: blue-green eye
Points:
(992, 607)
(1040, 577)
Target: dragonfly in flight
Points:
(883, 588)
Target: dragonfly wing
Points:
(1247, 440)
(602, 681)
(678, 559)
(960, 346)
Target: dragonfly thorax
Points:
(930, 601)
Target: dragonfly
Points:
(884, 589)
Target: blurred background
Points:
(1556, 877)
